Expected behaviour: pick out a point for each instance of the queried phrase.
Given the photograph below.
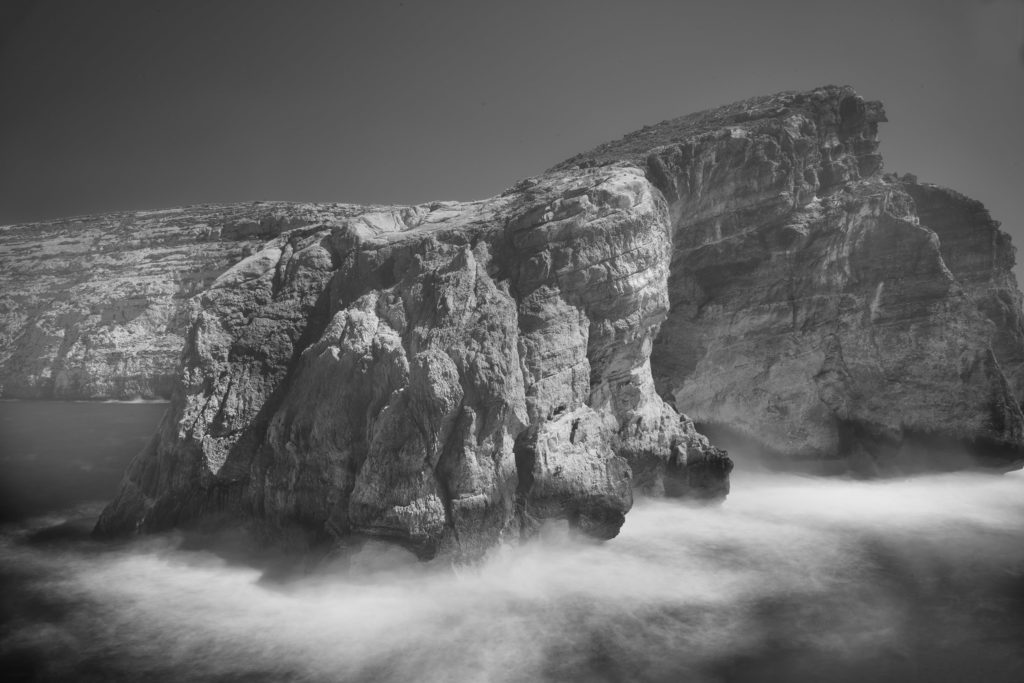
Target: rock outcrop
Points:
(445, 376)
(819, 309)
(449, 375)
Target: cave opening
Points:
(525, 451)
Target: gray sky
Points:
(126, 105)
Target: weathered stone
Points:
(452, 374)
(444, 376)
(820, 310)
(95, 307)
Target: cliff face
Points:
(448, 375)
(96, 307)
(444, 375)
(981, 258)
(820, 310)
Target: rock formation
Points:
(444, 375)
(820, 309)
(95, 307)
(451, 374)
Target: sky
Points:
(108, 105)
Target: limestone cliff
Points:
(820, 309)
(95, 307)
(444, 375)
(450, 374)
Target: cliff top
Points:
(749, 114)
(268, 218)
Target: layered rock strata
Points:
(449, 375)
(95, 307)
(819, 309)
(446, 376)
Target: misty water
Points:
(793, 578)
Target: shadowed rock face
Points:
(445, 376)
(452, 374)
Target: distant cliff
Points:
(95, 307)
(450, 374)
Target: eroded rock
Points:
(446, 380)
(820, 310)
(452, 374)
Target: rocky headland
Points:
(449, 375)
(820, 310)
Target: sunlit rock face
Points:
(95, 307)
(819, 309)
(446, 376)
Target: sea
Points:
(792, 578)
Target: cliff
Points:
(95, 307)
(819, 309)
(448, 375)
(445, 376)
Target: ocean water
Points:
(54, 454)
(793, 578)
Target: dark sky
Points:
(123, 105)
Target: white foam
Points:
(803, 561)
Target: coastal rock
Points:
(445, 376)
(820, 311)
(449, 375)
(981, 258)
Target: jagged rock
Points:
(443, 375)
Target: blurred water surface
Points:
(794, 578)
